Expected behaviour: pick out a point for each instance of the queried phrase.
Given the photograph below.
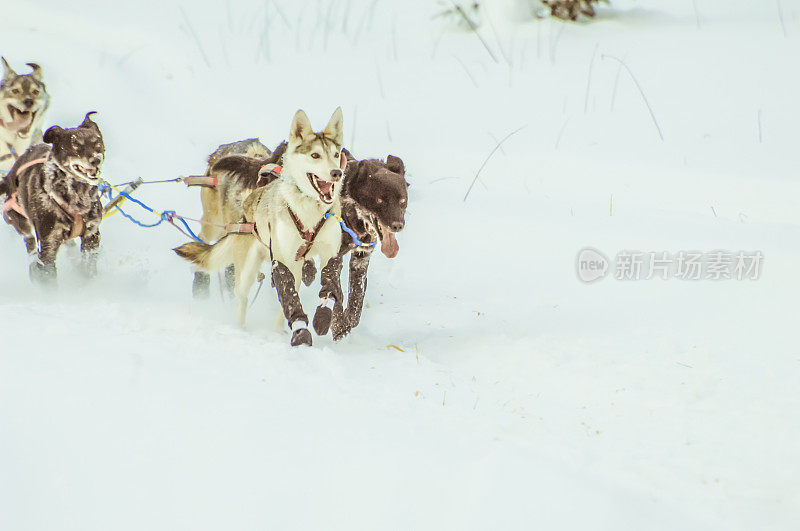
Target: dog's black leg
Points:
(330, 295)
(290, 302)
(43, 270)
(230, 278)
(90, 247)
(309, 272)
(201, 285)
(359, 263)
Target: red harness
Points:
(307, 235)
(264, 177)
(12, 204)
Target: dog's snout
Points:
(336, 174)
(95, 161)
(397, 226)
(28, 102)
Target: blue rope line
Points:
(186, 225)
(168, 215)
(350, 231)
(145, 225)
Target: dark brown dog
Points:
(52, 196)
(374, 201)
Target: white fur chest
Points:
(9, 140)
(285, 235)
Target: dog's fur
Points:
(309, 185)
(56, 193)
(23, 103)
(374, 201)
(224, 203)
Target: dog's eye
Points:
(336, 155)
(35, 92)
(315, 155)
(15, 91)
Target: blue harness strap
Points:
(350, 231)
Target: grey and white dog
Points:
(52, 196)
(23, 103)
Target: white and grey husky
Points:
(23, 102)
(290, 222)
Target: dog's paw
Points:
(89, 266)
(322, 320)
(309, 272)
(340, 331)
(301, 336)
(42, 274)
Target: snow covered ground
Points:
(518, 397)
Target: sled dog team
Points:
(308, 199)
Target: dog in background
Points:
(292, 220)
(223, 202)
(52, 196)
(23, 103)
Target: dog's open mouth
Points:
(389, 245)
(83, 171)
(21, 120)
(323, 188)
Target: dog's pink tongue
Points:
(389, 245)
(325, 187)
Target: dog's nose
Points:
(336, 174)
(95, 161)
(28, 102)
(397, 226)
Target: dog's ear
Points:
(335, 128)
(8, 72)
(301, 126)
(88, 123)
(395, 164)
(36, 71)
(52, 134)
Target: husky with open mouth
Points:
(292, 220)
(23, 103)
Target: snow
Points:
(521, 397)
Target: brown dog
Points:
(374, 201)
(52, 196)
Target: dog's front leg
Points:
(90, 247)
(50, 234)
(359, 263)
(286, 285)
(330, 296)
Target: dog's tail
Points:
(208, 257)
